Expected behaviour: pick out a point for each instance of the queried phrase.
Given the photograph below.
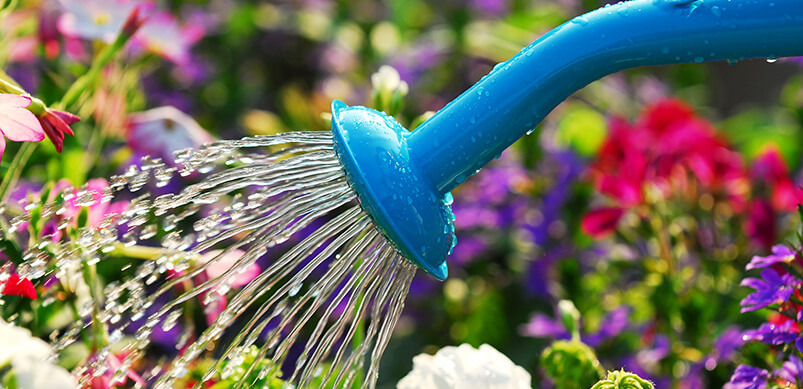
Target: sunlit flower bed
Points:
(646, 234)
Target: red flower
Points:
(19, 286)
(664, 148)
(771, 169)
(56, 124)
(760, 223)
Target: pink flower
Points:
(163, 36)
(771, 169)
(17, 123)
(15, 285)
(217, 269)
(162, 131)
(100, 207)
(107, 380)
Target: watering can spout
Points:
(511, 100)
(402, 178)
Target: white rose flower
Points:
(28, 357)
(465, 367)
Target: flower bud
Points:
(570, 317)
(622, 380)
(389, 90)
(571, 364)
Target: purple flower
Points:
(493, 7)
(772, 289)
(610, 326)
(792, 370)
(772, 334)
(468, 249)
(543, 326)
(748, 377)
(724, 348)
(780, 254)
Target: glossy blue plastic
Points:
(372, 147)
(486, 119)
(402, 178)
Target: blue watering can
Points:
(403, 178)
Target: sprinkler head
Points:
(403, 204)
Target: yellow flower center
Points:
(102, 18)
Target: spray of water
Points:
(338, 291)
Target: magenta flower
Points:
(56, 124)
(772, 288)
(16, 122)
(601, 222)
(160, 132)
(163, 36)
(92, 197)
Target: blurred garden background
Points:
(642, 200)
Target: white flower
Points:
(28, 357)
(465, 367)
(94, 19)
(387, 80)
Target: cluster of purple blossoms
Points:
(779, 289)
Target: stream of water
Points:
(329, 280)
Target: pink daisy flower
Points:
(16, 122)
(163, 36)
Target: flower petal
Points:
(20, 125)
(601, 222)
(19, 286)
(15, 101)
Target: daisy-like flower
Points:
(16, 122)
(163, 36)
(97, 19)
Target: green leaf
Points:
(582, 129)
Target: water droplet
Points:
(580, 20)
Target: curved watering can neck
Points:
(507, 103)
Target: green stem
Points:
(141, 252)
(90, 275)
(7, 84)
(356, 341)
(82, 83)
(15, 170)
